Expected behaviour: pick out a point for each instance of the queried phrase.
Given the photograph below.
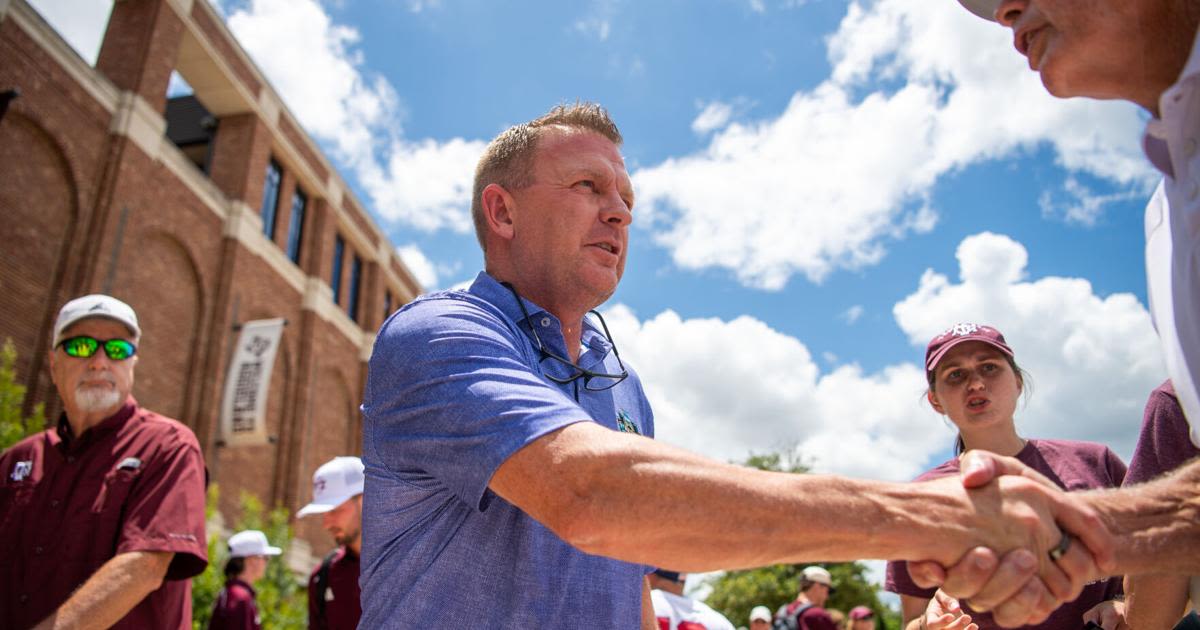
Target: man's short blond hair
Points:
(508, 159)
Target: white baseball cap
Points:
(335, 482)
(985, 9)
(818, 575)
(760, 613)
(95, 305)
(251, 543)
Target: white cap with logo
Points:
(335, 482)
(760, 613)
(95, 305)
(818, 575)
(251, 543)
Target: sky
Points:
(822, 186)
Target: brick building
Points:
(200, 212)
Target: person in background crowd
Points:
(674, 611)
(862, 618)
(333, 586)
(760, 618)
(1153, 600)
(974, 380)
(235, 607)
(102, 515)
(807, 612)
(503, 432)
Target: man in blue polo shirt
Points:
(510, 481)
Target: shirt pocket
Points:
(108, 511)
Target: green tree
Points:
(735, 593)
(13, 425)
(280, 594)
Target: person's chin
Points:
(96, 399)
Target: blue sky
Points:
(823, 186)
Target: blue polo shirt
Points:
(454, 387)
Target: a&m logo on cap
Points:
(959, 330)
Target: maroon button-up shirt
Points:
(68, 504)
(342, 607)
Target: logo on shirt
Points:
(21, 470)
(625, 423)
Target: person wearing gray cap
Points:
(333, 594)
(807, 611)
(1144, 52)
(102, 515)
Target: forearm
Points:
(1155, 602)
(1156, 525)
(642, 501)
(112, 591)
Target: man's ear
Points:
(498, 209)
(933, 402)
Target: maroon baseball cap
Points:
(958, 333)
(861, 612)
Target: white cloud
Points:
(417, 6)
(81, 24)
(1081, 206)
(714, 116)
(850, 165)
(419, 264)
(852, 314)
(727, 388)
(597, 22)
(317, 68)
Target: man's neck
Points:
(81, 421)
(356, 546)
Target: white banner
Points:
(244, 406)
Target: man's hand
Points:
(1008, 586)
(1109, 615)
(946, 613)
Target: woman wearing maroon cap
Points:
(974, 380)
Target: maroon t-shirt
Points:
(134, 482)
(1073, 466)
(235, 608)
(342, 607)
(1165, 442)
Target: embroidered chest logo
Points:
(625, 423)
(21, 470)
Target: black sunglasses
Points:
(83, 347)
(606, 381)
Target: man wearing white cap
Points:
(1144, 52)
(806, 612)
(675, 611)
(235, 607)
(333, 587)
(760, 618)
(102, 516)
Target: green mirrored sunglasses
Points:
(83, 347)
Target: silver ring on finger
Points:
(1061, 548)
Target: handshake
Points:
(1031, 547)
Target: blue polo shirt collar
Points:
(548, 326)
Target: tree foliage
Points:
(14, 426)
(280, 595)
(735, 593)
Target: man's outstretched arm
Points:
(638, 500)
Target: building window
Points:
(339, 248)
(352, 299)
(270, 198)
(296, 225)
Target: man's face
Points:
(571, 225)
(1096, 48)
(344, 522)
(97, 384)
(759, 624)
(818, 594)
